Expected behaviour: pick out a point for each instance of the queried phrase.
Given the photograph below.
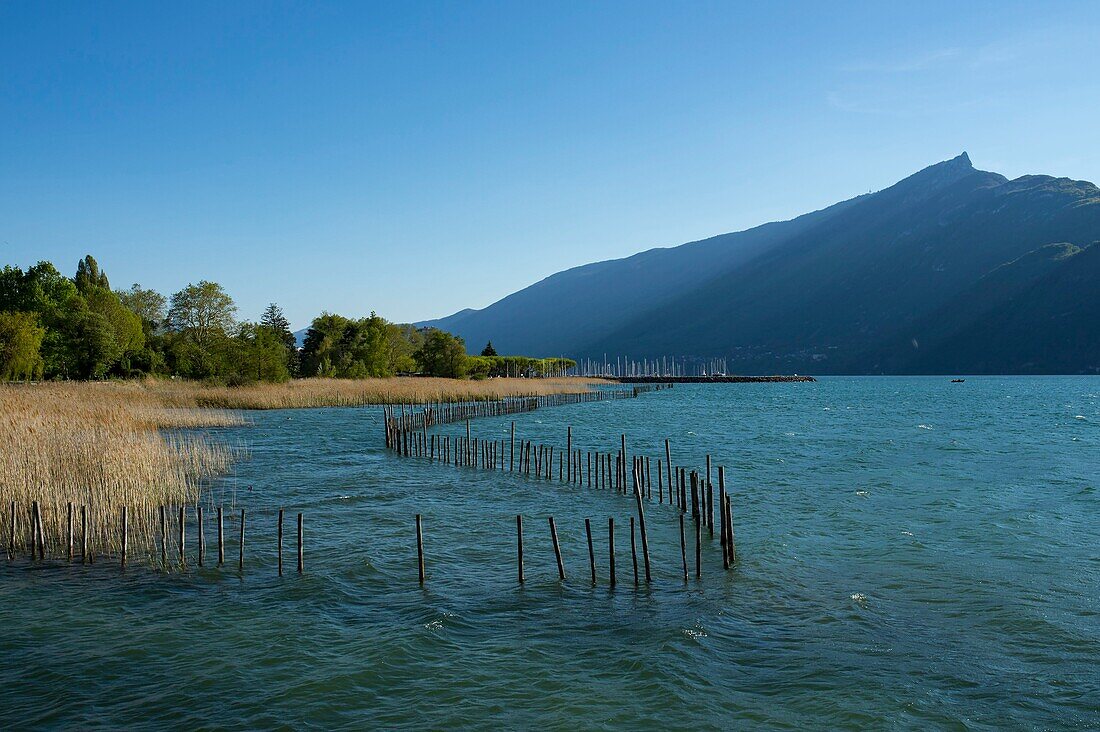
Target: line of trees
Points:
(58, 327)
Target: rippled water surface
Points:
(913, 554)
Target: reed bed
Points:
(101, 446)
(307, 393)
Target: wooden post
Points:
(280, 540)
(695, 496)
(698, 549)
(512, 450)
(569, 451)
(557, 549)
(221, 539)
(660, 484)
(202, 535)
(83, 533)
(611, 547)
(622, 467)
(419, 548)
(591, 551)
(519, 545)
(645, 538)
(683, 548)
(38, 534)
(125, 537)
(240, 560)
(668, 468)
(70, 531)
(633, 552)
(183, 535)
(301, 562)
(710, 501)
(11, 535)
(729, 528)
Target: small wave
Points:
(862, 494)
(1078, 416)
(924, 426)
(906, 533)
(859, 598)
(695, 633)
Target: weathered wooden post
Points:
(71, 539)
(645, 538)
(683, 548)
(240, 561)
(591, 551)
(557, 549)
(221, 539)
(125, 537)
(202, 535)
(633, 552)
(183, 535)
(301, 562)
(668, 468)
(83, 532)
(519, 545)
(611, 548)
(280, 542)
(419, 549)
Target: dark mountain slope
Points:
(830, 294)
(1046, 320)
(586, 303)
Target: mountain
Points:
(951, 270)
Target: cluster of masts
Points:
(664, 366)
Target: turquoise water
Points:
(913, 554)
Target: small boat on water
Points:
(957, 381)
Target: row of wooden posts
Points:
(78, 547)
(687, 490)
(423, 416)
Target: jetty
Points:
(708, 379)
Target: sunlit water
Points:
(913, 554)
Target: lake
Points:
(912, 554)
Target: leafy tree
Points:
(20, 344)
(88, 275)
(489, 350)
(442, 354)
(262, 354)
(201, 317)
(274, 319)
(92, 345)
(149, 305)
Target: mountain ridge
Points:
(839, 290)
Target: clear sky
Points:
(419, 159)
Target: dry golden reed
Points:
(99, 447)
(107, 445)
(306, 393)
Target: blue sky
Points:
(418, 159)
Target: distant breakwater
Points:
(706, 379)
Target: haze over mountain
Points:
(951, 270)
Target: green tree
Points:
(442, 354)
(92, 345)
(274, 319)
(149, 305)
(200, 317)
(489, 350)
(88, 275)
(262, 355)
(20, 346)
